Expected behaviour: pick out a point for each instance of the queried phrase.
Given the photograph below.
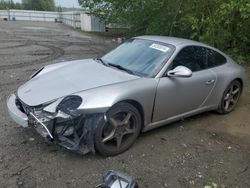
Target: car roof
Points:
(172, 40)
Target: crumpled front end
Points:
(65, 127)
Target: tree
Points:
(224, 24)
(42, 5)
(4, 4)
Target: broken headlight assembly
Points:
(63, 123)
(70, 104)
(67, 114)
(69, 126)
(58, 122)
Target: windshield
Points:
(142, 57)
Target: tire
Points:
(230, 97)
(122, 118)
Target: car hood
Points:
(59, 80)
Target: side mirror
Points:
(180, 71)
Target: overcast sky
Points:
(62, 3)
(67, 3)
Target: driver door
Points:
(179, 95)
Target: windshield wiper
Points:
(100, 59)
(116, 66)
(121, 68)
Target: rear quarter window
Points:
(215, 59)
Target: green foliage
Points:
(9, 5)
(42, 5)
(224, 24)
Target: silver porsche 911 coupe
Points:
(104, 104)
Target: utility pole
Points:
(74, 19)
(8, 13)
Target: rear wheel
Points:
(119, 131)
(230, 97)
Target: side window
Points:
(192, 57)
(215, 58)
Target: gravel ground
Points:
(191, 153)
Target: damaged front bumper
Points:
(15, 113)
(70, 132)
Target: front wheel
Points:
(230, 97)
(119, 130)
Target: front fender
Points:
(99, 100)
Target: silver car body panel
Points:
(19, 117)
(101, 87)
(183, 90)
(141, 91)
(161, 99)
(69, 78)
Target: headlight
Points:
(69, 104)
(36, 73)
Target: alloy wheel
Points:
(231, 97)
(119, 129)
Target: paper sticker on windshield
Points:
(159, 47)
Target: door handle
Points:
(210, 82)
